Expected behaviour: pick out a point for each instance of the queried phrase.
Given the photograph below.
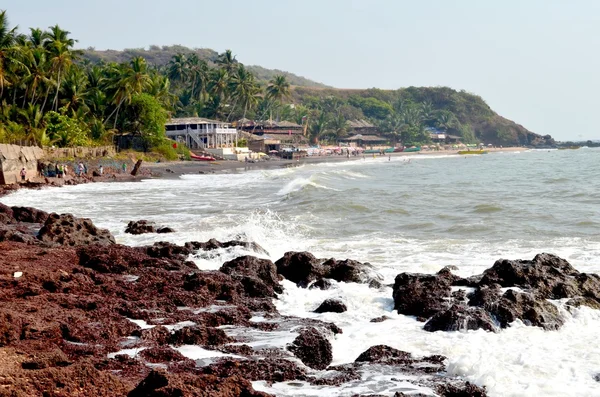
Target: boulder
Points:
(199, 335)
(466, 390)
(322, 284)
(460, 318)
(549, 276)
(162, 354)
(213, 244)
(312, 348)
(332, 306)
(421, 295)
(383, 354)
(29, 215)
(300, 267)
(516, 305)
(258, 276)
(140, 227)
(68, 230)
(165, 229)
(348, 271)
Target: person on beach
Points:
(81, 170)
(60, 171)
(23, 174)
(101, 170)
(124, 167)
(65, 170)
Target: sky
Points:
(533, 61)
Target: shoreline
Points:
(177, 168)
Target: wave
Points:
(486, 209)
(299, 184)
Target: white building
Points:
(200, 133)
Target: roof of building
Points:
(360, 124)
(267, 124)
(364, 138)
(193, 120)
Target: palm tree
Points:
(75, 90)
(7, 40)
(227, 61)
(219, 83)
(339, 126)
(59, 46)
(319, 128)
(129, 80)
(278, 89)
(177, 69)
(244, 89)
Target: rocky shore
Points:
(82, 316)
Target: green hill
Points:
(456, 112)
(160, 56)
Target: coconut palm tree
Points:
(244, 89)
(128, 80)
(278, 89)
(59, 46)
(339, 126)
(177, 69)
(227, 61)
(319, 128)
(7, 40)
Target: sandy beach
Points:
(176, 168)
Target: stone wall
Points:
(14, 157)
(78, 152)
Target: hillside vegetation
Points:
(160, 56)
(53, 94)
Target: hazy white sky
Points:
(534, 61)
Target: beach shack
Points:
(364, 140)
(286, 132)
(210, 136)
(201, 133)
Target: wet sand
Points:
(177, 168)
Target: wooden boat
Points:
(461, 152)
(201, 158)
(413, 149)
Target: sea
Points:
(400, 216)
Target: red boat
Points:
(201, 158)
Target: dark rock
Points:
(68, 230)
(268, 369)
(312, 348)
(140, 227)
(460, 318)
(165, 229)
(516, 305)
(213, 244)
(421, 295)
(379, 319)
(383, 354)
(199, 335)
(584, 301)
(159, 335)
(322, 284)
(546, 274)
(162, 354)
(29, 215)
(300, 267)
(154, 380)
(258, 276)
(331, 305)
(348, 271)
(466, 390)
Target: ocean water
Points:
(416, 216)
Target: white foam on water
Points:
(197, 353)
(281, 211)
